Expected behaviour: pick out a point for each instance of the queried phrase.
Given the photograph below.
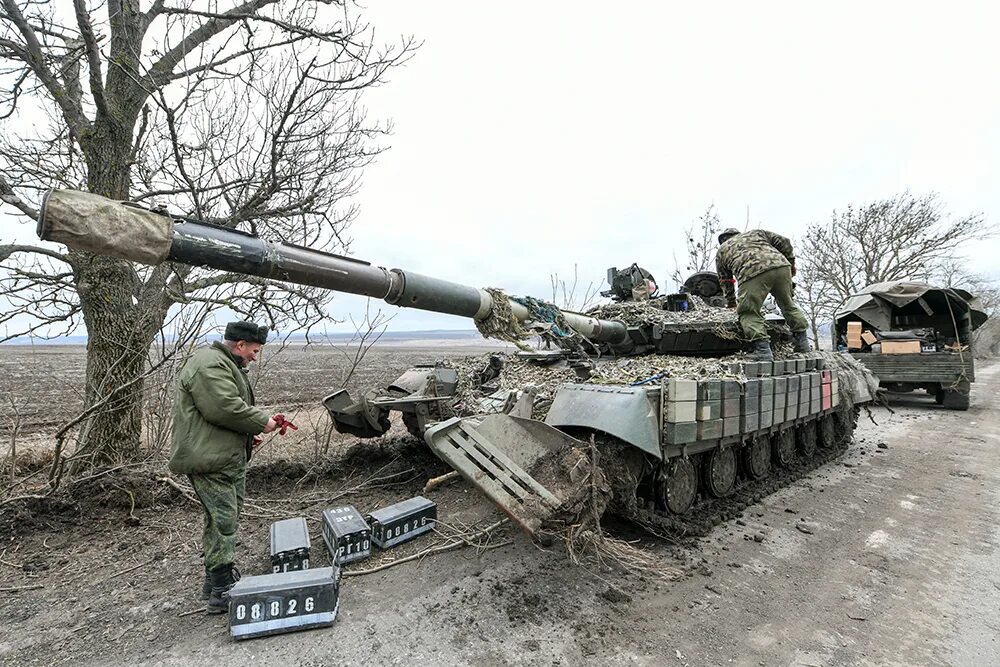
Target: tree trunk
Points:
(122, 320)
(119, 334)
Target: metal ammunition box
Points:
(709, 390)
(681, 411)
(289, 545)
(709, 410)
(731, 407)
(401, 522)
(348, 537)
(710, 429)
(679, 433)
(731, 389)
(271, 604)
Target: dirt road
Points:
(890, 555)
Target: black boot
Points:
(762, 350)
(206, 587)
(801, 342)
(223, 578)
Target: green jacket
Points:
(214, 417)
(750, 254)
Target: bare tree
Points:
(246, 116)
(903, 237)
(817, 299)
(701, 241)
(953, 273)
(565, 295)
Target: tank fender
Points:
(628, 413)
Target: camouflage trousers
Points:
(221, 495)
(752, 294)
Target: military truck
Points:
(637, 404)
(913, 336)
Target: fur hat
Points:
(248, 331)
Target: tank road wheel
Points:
(844, 421)
(719, 471)
(783, 447)
(827, 432)
(806, 438)
(678, 485)
(757, 457)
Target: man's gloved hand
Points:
(793, 270)
(283, 424)
(731, 304)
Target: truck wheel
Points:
(939, 396)
(957, 397)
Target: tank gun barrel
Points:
(91, 223)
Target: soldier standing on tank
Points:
(763, 263)
(215, 428)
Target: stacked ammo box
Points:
(775, 392)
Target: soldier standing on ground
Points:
(763, 263)
(215, 429)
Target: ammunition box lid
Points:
(284, 581)
(345, 520)
(289, 535)
(401, 509)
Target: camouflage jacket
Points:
(214, 416)
(748, 255)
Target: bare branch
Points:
(93, 56)
(7, 250)
(33, 56)
(160, 72)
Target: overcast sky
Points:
(532, 137)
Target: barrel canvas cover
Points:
(104, 226)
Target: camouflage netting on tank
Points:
(102, 226)
(500, 323)
(546, 322)
(519, 374)
(651, 311)
(857, 384)
(638, 313)
(582, 478)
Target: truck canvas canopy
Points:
(882, 305)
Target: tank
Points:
(645, 405)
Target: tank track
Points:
(708, 512)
